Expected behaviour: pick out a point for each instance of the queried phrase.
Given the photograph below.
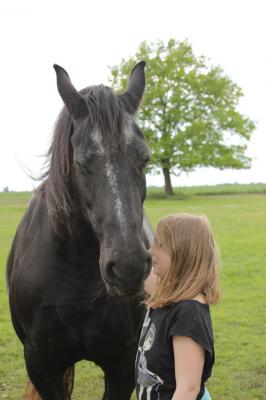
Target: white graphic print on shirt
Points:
(146, 379)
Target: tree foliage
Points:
(189, 114)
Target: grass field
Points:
(239, 223)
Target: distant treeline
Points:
(222, 189)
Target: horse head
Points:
(109, 157)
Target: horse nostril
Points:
(130, 273)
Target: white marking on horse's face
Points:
(111, 173)
(112, 180)
(129, 131)
(97, 139)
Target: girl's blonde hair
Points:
(189, 240)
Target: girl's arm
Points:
(189, 360)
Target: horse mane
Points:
(58, 188)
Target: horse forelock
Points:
(106, 113)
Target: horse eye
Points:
(145, 162)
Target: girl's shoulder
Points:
(182, 309)
(193, 304)
(196, 302)
(190, 307)
(190, 304)
(191, 318)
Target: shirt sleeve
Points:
(191, 322)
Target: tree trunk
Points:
(167, 182)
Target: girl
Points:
(176, 353)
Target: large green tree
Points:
(189, 113)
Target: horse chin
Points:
(118, 292)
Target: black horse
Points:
(78, 261)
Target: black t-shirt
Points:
(155, 368)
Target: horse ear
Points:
(75, 103)
(135, 87)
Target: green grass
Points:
(239, 223)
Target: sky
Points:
(85, 37)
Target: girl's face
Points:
(161, 260)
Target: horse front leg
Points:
(50, 382)
(120, 380)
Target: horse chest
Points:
(79, 328)
(116, 334)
